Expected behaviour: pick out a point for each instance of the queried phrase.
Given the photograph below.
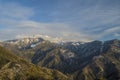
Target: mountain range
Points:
(96, 60)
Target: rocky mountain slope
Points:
(96, 60)
(103, 67)
(16, 68)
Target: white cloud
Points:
(15, 11)
(107, 32)
(116, 34)
(70, 23)
(113, 29)
(28, 28)
(76, 36)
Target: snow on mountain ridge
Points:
(45, 37)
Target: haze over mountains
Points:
(96, 60)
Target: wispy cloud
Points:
(81, 20)
(15, 11)
(117, 34)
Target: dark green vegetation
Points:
(16, 68)
(79, 61)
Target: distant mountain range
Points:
(96, 60)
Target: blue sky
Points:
(80, 20)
